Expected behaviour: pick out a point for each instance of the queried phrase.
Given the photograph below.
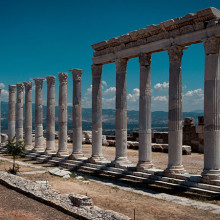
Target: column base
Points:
(38, 149)
(50, 151)
(76, 156)
(174, 170)
(63, 153)
(144, 165)
(97, 159)
(121, 162)
(28, 147)
(210, 175)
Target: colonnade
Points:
(211, 113)
(15, 118)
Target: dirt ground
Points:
(125, 202)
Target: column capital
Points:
(77, 73)
(51, 80)
(175, 53)
(20, 87)
(11, 88)
(96, 70)
(121, 65)
(63, 77)
(28, 85)
(38, 81)
(145, 59)
(211, 45)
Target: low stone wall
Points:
(78, 206)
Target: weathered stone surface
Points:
(11, 111)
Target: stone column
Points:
(11, 111)
(175, 111)
(77, 115)
(39, 139)
(28, 116)
(121, 114)
(145, 151)
(50, 136)
(211, 111)
(96, 114)
(19, 112)
(62, 146)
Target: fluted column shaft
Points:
(11, 112)
(50, 130)
(175, 111)
(19, 112)
(145, 151)
(0, 119)
(62, 118)
(96, 113)
(121, 113)
(38, 115)
(77, 114)
(28, 116)
(211, 111)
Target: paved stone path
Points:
(163, 196)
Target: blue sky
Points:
(44, 37)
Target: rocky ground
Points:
(115, 198)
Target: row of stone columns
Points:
(15, 122)
(211, 112)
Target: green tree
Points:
(15, 149)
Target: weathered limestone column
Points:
(11, 111)
(77, 115)
(121, 114)
(50, 136)
(96, 114)
(175, 111)
(28, 116)
(211, 111)
(62, 146)
(145, 151)
(38, 147)
(19, 112)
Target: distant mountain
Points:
(159, 118)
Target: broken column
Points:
(11, 111)
(77, 115)
(19, 112)
(38, 147)
(175, 111)
(62, 118)
(50, 130)
(145, 151)
(121, 114)
(28, 116)
(96, 114)
(211, 111)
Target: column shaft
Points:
(145, 151)
(77, 115)
(175, 111)
(211, 111)
(121, 114)
(11, 112)
(38, 115)
(50, 130)
(28, 116)
(19, 112)
(62, 146)
(0, 120)
(96, 114)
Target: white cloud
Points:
(161, 86)
(196, 92)
(4, 95)
(2, 85)
(89, 90)
(104, 83)
(108, 102)
(134, 96)
(160, 98)
(110, 91)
